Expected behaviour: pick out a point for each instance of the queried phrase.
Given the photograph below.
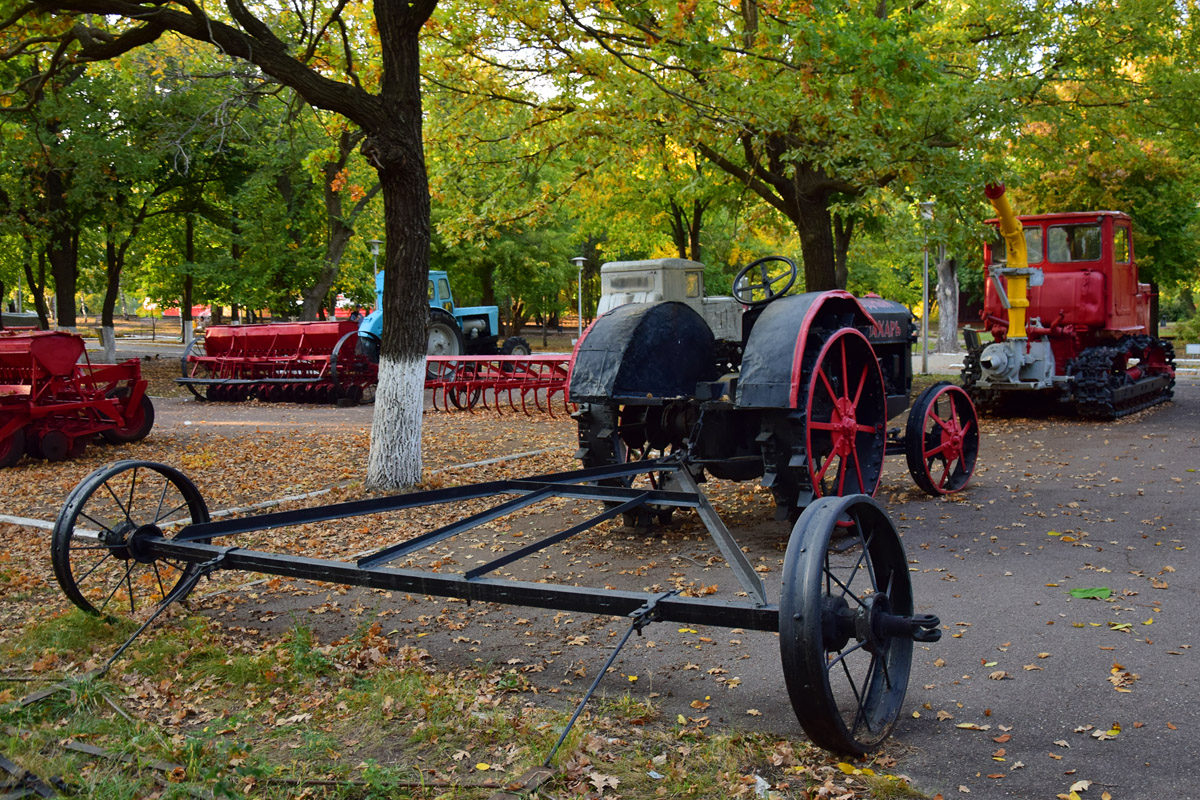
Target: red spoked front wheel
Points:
(941, 440)
(846, 417)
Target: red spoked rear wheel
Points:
(846, 416)
(941, 440)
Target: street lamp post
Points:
(375, 244)
(926, 216)
(579, 261)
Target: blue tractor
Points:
(451, 330)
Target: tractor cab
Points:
(678, 279)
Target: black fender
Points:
(772, 362)
(643, 352)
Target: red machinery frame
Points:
(51, 405)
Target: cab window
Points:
(1121, 245)
(430, 290)
(1033, 247)
(444, 293)
(693, 284)
(1074, 242)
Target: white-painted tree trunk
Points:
(189, 331)
(108, 342)
(395, 457)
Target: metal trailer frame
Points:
(845, 605)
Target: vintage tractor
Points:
(51, 406)
(796, 390)
(1067, 315)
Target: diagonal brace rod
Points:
(528, 549)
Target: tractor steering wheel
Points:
(743, 290)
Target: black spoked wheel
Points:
(845, 623)
(846, 411)
(95, 551)
(192, 369)
(941, 440)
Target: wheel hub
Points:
(873, 623)
(117, 540)
(952, 439)
(846, 427)
(137, 542)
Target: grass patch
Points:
(363, 717)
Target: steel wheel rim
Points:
(195, 348)
(950, 435)
(846, 687)
(94, 548)
(442, 340)
(846, 413)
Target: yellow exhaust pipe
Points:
(1014, 241)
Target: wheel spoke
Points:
(941, 448)
(95, 521)
(161, 497)
(820, 476)
(120, 581)
(95, 567)
(828, 386)
(132, 490)
(124, 510)
(862, 383)
(841, 659)
(162, 591)
(845, 371)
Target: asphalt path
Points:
(1031, 690)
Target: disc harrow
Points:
(135, 536)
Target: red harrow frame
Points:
(532, 380)
(51, 405)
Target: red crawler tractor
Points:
(51, 406)
(1067, 316)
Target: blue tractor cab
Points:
(451, 330)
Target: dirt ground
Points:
(1031, 691)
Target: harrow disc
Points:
(941, 440)
(845, 624)
(94, 547)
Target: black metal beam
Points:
(564, 483)
(689, 610)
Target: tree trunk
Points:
(395, 149)
(947, 301)
(843, 232)
(340, 225)
(112, 290)
(814, 223)
(37, 287)
(186, 324)
(63, 254)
